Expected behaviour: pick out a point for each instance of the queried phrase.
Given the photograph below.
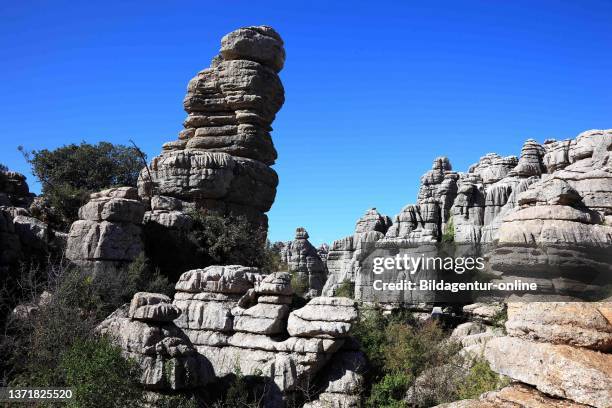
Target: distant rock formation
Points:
(108, 232)
(303, 259)
(221, 159)
(14, 190)
(345, 255)
(232, 317)
(21, 235)
(556, 196)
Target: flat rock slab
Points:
(574, 323)
(581, 375)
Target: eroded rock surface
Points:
(303, 259)
(221, 159)
(108, 233)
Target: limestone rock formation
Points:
(513, 396)
(108, 232)
(581, 375)
(562, 349)
(221, 159)
(345, 255)
(550, 208)
(14, 190)
(303, 259)
(165, 355)
(233, 317)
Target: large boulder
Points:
(303, 259)
(323, 317)
(108, 233)
(580, 324)
(166, 357)
(578, 374)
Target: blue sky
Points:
(374, 90)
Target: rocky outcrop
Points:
(345, 255)
(303, 260)
(233, 318)
(546, 216)
(108, 232)
(146, 334)
(513, 396)
(587, 325)
(562, 349)
(14, 190)
(221, 159)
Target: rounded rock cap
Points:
(256, 43)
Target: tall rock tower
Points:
(221, 160)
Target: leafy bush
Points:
(346, 289)
(99, 376)
(32, 347)
(399, 350)
(231, 240)
(109, 291)
(176, 401)
(389, 392)
(479, 380)
(449, 232)
(211, 240)
(70, 173)
(299, 283)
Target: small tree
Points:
(99, 376)
(70, 173)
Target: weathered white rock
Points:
(166, 357)
(261, 319)
(152, 307)
(581, 324)
(578, 374)
(230, 279)
(513, 396)
(275, 284)
(323, 317)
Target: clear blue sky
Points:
(374, 90)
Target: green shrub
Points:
(99, 376)
(299, 283)
(231, 240)
(70, 173)
(346, 289)
(109, 291)
(500, 318)
(399, 350)
(449, 232)
(479, 380)
(389, 392)
(370, 332)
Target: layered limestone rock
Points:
(304, 260)
(236, 317)
(552, 227)
(342, 380)
(228, 318)
(346, 254)
(14, 190)
(108, 232)
(221, 159)
(562, 349)
(546, 215)
(587, 325)
(513, 396)
(146, 334)
(21, 234)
